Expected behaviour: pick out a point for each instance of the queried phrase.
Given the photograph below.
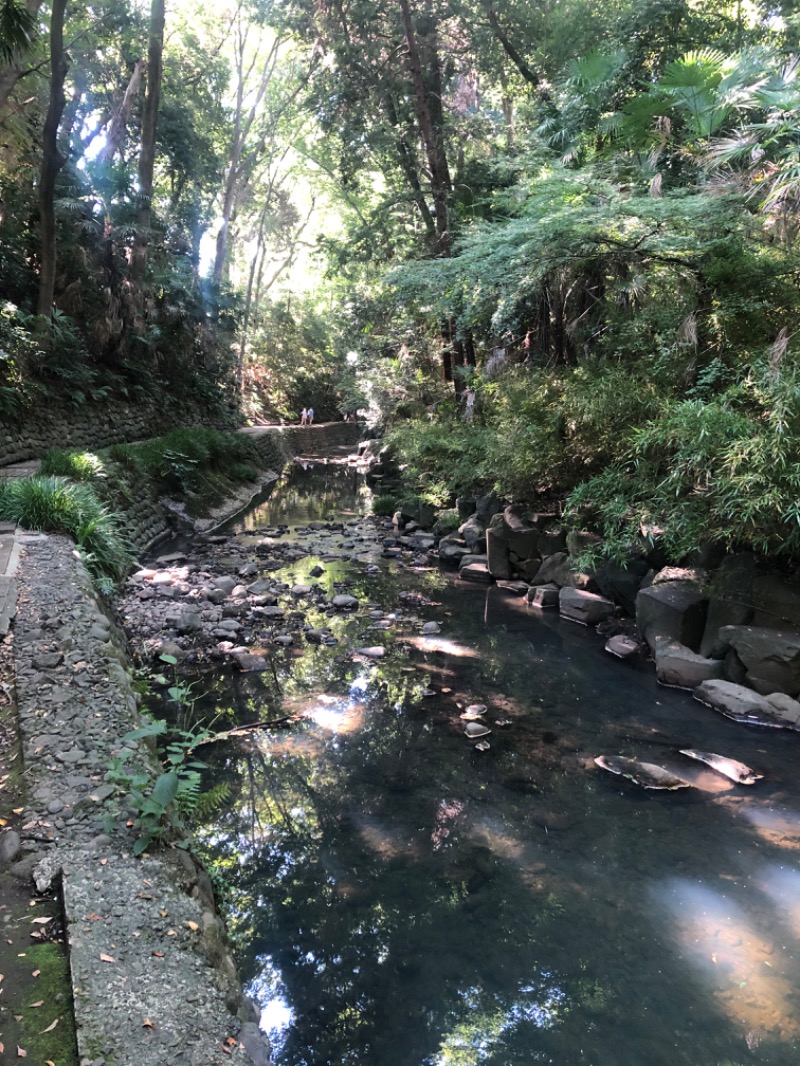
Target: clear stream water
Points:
(399, 898)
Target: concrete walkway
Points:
(11, 541)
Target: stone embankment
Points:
(730, 633)
(153, 980)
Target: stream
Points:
(398, 897)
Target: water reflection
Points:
(401, 899)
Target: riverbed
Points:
(399, 897)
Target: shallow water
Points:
(399, 898)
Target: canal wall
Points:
(95, 426)
(147, 516)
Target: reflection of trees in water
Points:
(318, 493)
(409, 893)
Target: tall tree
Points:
(52, 160)
(147, 155)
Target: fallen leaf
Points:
(148, 1024)
(171, 932)
(49, 1062)
(18, 810)
(51, 1026)
(94, 918)
(38, 1003)
(163, 913)
(41, 921)
(21, 1054)
(106, 958)
(159, 954)
(36, 973)
(231, 1041)
(103, 862)
(193, 926)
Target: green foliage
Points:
(161, 803)
(58, 505)
(183, 460)
(79, 466)
(384, 505)
(725, 470)
(443, 457)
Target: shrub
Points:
(57, 505)
(384, 505)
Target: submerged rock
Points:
(646, 774)
(730, 768)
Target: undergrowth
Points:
(53, 504)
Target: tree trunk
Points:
(429, 116)
(530, 76)
(52, 161)
(147, 155)
(119, 120)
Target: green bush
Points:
(57, 505)
(182, 460)
(384, 505)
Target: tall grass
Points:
(58, 505)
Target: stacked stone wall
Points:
(90, 428)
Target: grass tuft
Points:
(53, 504)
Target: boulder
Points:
(554, 570)
(415, 510)
(770, 656)
(622, 583)
(476, 572)
(497, 553)
(452, 548)
(680, 667)
(523, 536)
(552, 541)
(785, 707)
(735, 700)
(344, 602)
(465, 506)
(583, 580)
(487, 506)
(422, 542)
(694, 575)
(528, 568)
(584, 607)
(189, 622)
(472, 531)
(675, 609)
(543, 596)
(622, 646)
(730, 601)
(225, 584)
(776, 600)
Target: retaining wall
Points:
(91, 428)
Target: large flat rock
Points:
(770, 656)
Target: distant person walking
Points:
(303, 416)
(311, 416)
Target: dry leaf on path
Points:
(106, 958)
(38, 1003)
(51, 1026)
(21, 1053)
(193, 926)
(36, 973)
(41, 921)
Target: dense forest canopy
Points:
(552, 241)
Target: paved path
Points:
(11, 541)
